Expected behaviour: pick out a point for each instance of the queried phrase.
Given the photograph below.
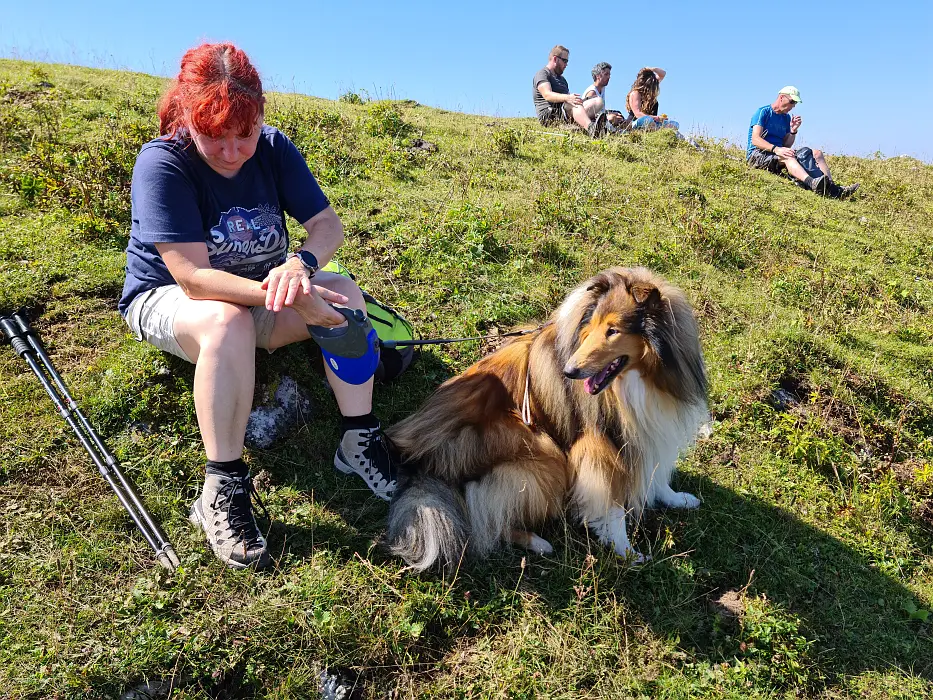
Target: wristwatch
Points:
(307, 259)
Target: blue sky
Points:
(865, 75)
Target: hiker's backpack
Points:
(389, 325)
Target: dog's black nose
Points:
(571, 372)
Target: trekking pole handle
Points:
(14, 334)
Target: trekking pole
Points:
(26, 344)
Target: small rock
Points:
(338, 684)
(782, 399)
(863, 220)
(421, 145)
(151, 690)
(277, 415)
(263, 480)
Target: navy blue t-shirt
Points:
(178, 198)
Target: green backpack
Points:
(389, 325)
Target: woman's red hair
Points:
(217, 90)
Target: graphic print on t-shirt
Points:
(248, 242)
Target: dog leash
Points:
(526, 400)
(447, 341)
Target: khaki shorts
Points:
(151, 317)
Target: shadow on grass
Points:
(853, 612)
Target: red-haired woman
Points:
(209, 277)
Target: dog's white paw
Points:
(679, 499)
(611, 532)
(539, 545)
(634, 557)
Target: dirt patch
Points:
(730, 606)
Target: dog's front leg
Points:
(611, 531)
(598, 489)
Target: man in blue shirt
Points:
(771, 137)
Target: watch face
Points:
(308, 260)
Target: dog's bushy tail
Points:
(428, 523)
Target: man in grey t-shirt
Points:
(554, 101)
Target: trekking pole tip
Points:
(167, 558)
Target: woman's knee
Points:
(341, 285)
(212, 321)
(817, 153)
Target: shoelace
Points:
(374, 443)
(235, 493)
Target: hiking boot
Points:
(597, 127)
(224, 513)
(823, 186)
(365, 452)
(848, 191)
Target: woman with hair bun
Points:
(209, 278)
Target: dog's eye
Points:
(611, 332)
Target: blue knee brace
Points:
(351, 351)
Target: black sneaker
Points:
(224, 513)
(365, 452)
(848, 191)
(597, 127)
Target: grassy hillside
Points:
(806, 573)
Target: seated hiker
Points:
(642, 101)
(555, 103)
(771, 136)
(594, 97)
(209, 279)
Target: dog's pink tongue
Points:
(592, 384)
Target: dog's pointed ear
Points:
(646, 295)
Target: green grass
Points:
(817, 517)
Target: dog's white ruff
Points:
(661, 428)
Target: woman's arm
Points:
(634, 104)
(325, 236)
(190, 266)
(660, 72)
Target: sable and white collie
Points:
(589, 412)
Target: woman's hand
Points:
(314, 306)
(284, 282)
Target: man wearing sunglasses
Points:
(555, 103)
